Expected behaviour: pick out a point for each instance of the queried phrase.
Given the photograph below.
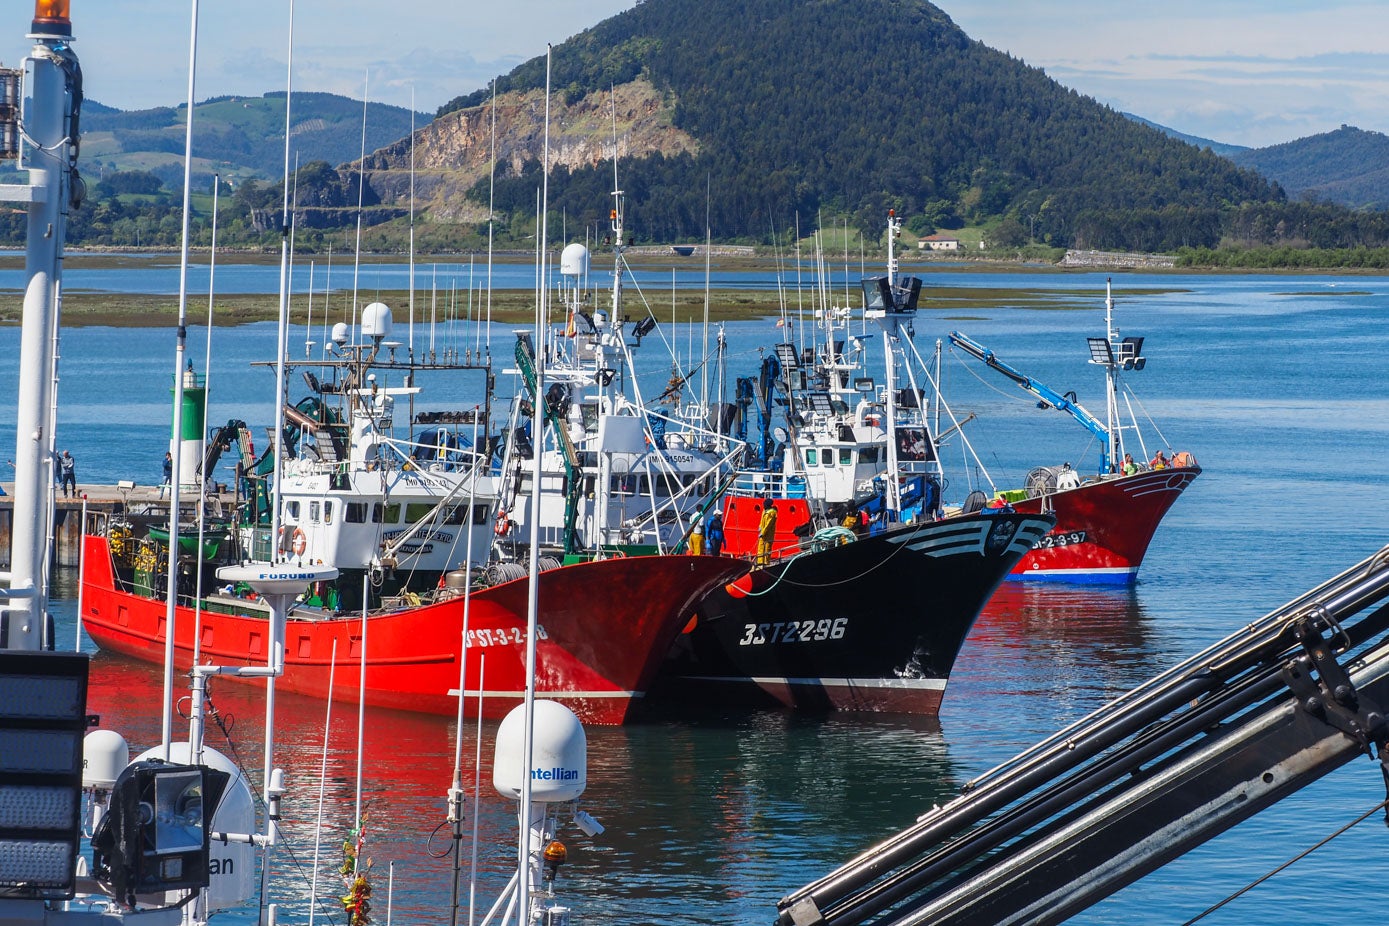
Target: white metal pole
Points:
(322, 782)
(533, 590)
(47, 107)
(81, 571)
(176, 440)
(281, 346)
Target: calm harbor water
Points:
(1274, 383)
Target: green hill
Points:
(238, 137)
(764, 115)
(855, 106)
(1348, 166)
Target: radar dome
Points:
(573, 260)
(559, 756)
(276, 578)
(105, 754)
(376, 321)
(340, 333)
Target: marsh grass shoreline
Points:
(511, 306)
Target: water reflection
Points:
(714, 820)
(709, 818)
(1055, 652)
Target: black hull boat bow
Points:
(873, 624)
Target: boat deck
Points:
(100, 499)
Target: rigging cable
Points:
(1290, 862)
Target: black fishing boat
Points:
(866, 583)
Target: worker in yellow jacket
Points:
(766, 533)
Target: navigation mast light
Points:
(1131, 353)
(51, 17)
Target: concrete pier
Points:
(146, 502)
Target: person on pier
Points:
(67, 471)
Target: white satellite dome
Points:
(376, 321)
(105, 754)
(559, 755)
(573, 260)
(340, 333)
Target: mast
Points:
(176, 450)
(533, 591)
(51, 100)
(275, 446)
(889, 327)
(1111, 400)
(410, 350)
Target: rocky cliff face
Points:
(454, 152)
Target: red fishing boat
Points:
(1103, 526)
(605, 626)
(1104, 522)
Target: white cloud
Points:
(134, 53)
(1251, 72)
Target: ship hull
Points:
(872, 625)
(604, 628)
(1102, 528)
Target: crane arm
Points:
(1144, 779)
(573, 473)
(1045, 394)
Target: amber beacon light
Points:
(51, 17)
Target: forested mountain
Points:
(763, 115)
(858, 105)
(1348, 166)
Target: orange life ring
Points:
(502, 525)
(300, 543)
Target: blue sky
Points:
(1248, 72)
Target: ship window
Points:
(846, 456)
(456, 514)
(417, 511)
(292, 509)
(376, 513)
(313, 512)
(827, 458)
(868, 455)
(525, 487)
(327, 512)
(479, 514)
(356, 513)
(811, 456)
(391, 514)
(623, 484)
